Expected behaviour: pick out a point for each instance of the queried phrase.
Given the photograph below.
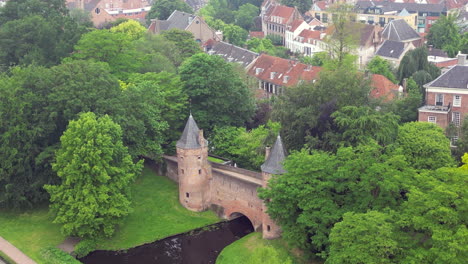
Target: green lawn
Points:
(30, 231)
(156, 214)
(215, 160)
(240, 251)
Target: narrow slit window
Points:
(187, 195)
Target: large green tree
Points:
(445, 34)
(245, 15)
(305, 111)
(380, 66)
(319, 188)
(369, 237)
(162, 9)
(37, 31)
(218, 95)
(424, 145)
(95, 171)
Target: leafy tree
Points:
(358, 125)
(407, 107)
(96, 170)
(302, 5)
(380, 66)
(424, 145)
(434, 218)
(218, 95)
(244, 17)
(37, 31)
(155, 105)
(344, 39)
(219, 9)
(81, 17)
(131, 27)
(235, 34)
(318, 59)
(305, 111)
(184, 42)
(352, 180)
(416, 60)
(162, 9)
(445, 34)
(24, 137)
(115, 48)
(364, 238)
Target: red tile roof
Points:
(309, 34)
(283, 11)
(383, 88)
(295, 24)
(256, 34)
(447, 63)
(284, 72)
(322, 5)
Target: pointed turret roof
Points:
(274, 162)
(189, 138)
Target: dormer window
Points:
(258, 71)
(272, 75)
(285, 79)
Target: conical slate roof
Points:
(189, 138)
(274, 162)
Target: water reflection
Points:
(200, 246)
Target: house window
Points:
(439, 99)
(268, 228)
(456, 118)
(432, 119)
(187, 195)
(453, 140)
(457, 100)
(199, 171)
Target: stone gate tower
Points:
(193, 168)
(272, 165)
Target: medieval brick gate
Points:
(227, 190)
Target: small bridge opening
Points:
(242, 223)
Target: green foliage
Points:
(364, 238)
(445, 34)
(184, 42)
(54, 255)
(462, 142)
(424, 145)
(219, 10)
(131, 27)
(162, 9)
(37, 32)
(275, 39)
(416, 60)
(380, 66)
(302, 5)
(318, 59)
(219, 96)
(115, 48)
(434, 218)
(407, 107)
(246, 148)
(235, 34)
(305, 111)
(244, 17)
(359, 125)
(92, 163)
(84, 247)
(352, 180)
(266, 45)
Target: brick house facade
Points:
(447, 97)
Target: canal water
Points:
(199, 246)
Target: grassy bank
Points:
(6, 259)
(241, 251)
(156, 214)
(30, 231)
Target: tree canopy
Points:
(95, 171)
(218, 95)
(162, 9)
(445, 34)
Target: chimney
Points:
(201, 140)
(461, 59)
(267, 152)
